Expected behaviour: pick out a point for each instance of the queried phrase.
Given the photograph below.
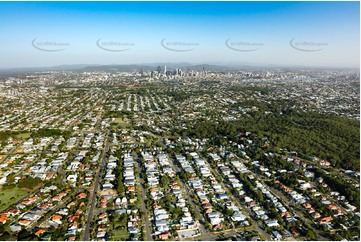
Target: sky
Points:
(322, 34)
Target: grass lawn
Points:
(120, 122)
(23, 135)
(6, 195)
(120, 234)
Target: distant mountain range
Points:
(146, 67)
(48, 68)
(117, 68)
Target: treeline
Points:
(250, 89)
(340, 184)
(333, 138)
(49, 133)
(118, 114)
(178, 96)
(4, 135)
(29, 183)
(212, 129)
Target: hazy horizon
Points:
(78, 66)
(303, 34)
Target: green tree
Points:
(310, 234)
(29, 182)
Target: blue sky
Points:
(330, 28)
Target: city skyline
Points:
(319, 34)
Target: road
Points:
(44, 213)
(206, 236)
(8, 154)
(43, 151)
(288, 204)
(143, 206)
(290, 207)
(239, 204)
(19, 173)
(95, 190)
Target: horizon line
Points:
(229, 65)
